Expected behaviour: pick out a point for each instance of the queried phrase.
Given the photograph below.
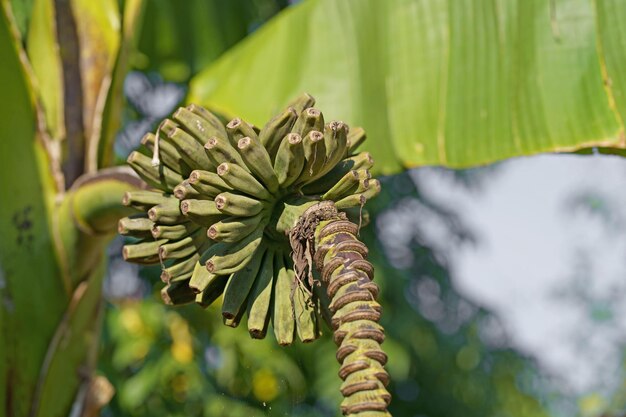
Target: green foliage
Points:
(26, 236)
(435, 82)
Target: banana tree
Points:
(429, 84)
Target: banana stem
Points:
(328, 239)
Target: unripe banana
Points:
(208, 183)
(238, 205)
(190, 150)
(345, 186)
(201, 279)
(145, 252)
(167, 212)
(174, 232)
(185, 190)
(143, 199)
(135, 226)
(212, 292)
(196, 125)
(364, 184)
(219, 150)
(260, 301)
(184, 247)
(282, 316)
(209, 117)
(202, 212)
(289, 160)
(258, 161)
(302, 102)
(237, 255)
(168, 153)
(361, 161)
(276, 129)
(241, 180)
(336, 140)
(233, 229)
(239, 286)
(178, 293)
(238, 129)
(308, 120)
(161, 177)
(179, 269)
(356, 136)
(359, 199)
(314, 154)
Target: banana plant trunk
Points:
(57, 214)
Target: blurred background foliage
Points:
(448, 355)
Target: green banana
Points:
(143, 200)
(178, 249)
(364, 184)
(238, 205)
(176, 231)
(257, 159)
(178, 293)
(190, 150)
(144, 252)
(359, 199)
(314, 154)
(201, 279)
(212, 292)
(239, 286)
(196, 125)
(161, 177)
(219, 150)
(260, 301)
(238, 129)
(289, 160)
(282, 315)
(346, 185)
(336, 140)
(236, 256)
(241, 180)
(208, 183)
(202, 212)
(356, 136)
(209, 117)
(302, 102)
(308, 120)
(185, 190)
(233, 229)
(180, 268)
(135, 226)
(276, 129)
(168, 153)
(167, 212)
(360, 161)
(184, 247)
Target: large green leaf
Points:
(436, 82)
(32, 294)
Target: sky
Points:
(548, 259)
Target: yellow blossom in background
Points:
(182, 349)
(265, 385)
(131, 320)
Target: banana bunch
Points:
(223, 198)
